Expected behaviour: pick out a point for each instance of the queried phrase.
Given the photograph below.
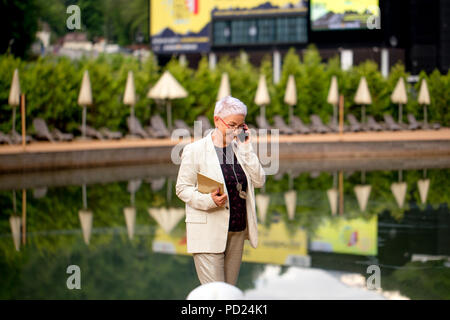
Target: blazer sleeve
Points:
(252, 164)
(186, 188)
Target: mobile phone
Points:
(242, 135)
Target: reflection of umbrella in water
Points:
(262, 204)
(290, 197)
(167, 88)
(332, 195)
(14, 97)
(399, 190)
(290, 96)
(167, 218)
(424, 186)
(130, 212)
(262, 97)
(15, 223)
(399, 96)
(224, 89)
(362, 192)
(86, 218)
(362, 97)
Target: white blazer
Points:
(206, 223)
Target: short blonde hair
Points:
(228, 106)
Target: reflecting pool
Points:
(328, 229)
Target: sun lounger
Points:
(373, 125)
(91, 132)
(412, 121)
(16, 138)
(355, 126)
(317, 125)
(62, 136)
(5, 138)
(206, 125)
(159, 128)
(298, 126)
(390, 123)
(135, 128)
(110, 135)
(334, 126)
(262, 123)
(282, 126)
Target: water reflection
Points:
(323, 220)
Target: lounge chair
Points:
(355, 126)
(317, 125)
(262, 123)
(159, 128)
(282, 126)
(390, 123)
(334, 126)
(43, 133)
(110, 135)
(373, 125)
(206, 125)
(135, 128)
(16, 138)
(413, 124)
(91, 132)
(5, 138)
(180, 124)
(61, 136)
(412, 121)
(298, 126)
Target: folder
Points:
(208, 185)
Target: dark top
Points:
(238, 208)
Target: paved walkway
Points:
(41, 146)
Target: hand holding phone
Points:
(243, 135)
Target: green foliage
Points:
(52, 84)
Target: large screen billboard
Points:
(185, 25)
(344, 14)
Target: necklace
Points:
(242, 193)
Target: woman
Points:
(217, 224)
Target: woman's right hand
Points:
(219, 199)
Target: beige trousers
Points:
(222, 266)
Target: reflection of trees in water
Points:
(420, 280)
(113, 269)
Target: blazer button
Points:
(226, 207)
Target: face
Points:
(234, 120)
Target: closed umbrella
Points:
(290, 96)
(129, 97)
(399, 96)
(362, 97)
(85, 99)
(262, 97)
(333, 97)
(14, 97)
(424, 99)
(167, 88)
(224, 89)
(167, 218)
(262, 204)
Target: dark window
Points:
(262, 30)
